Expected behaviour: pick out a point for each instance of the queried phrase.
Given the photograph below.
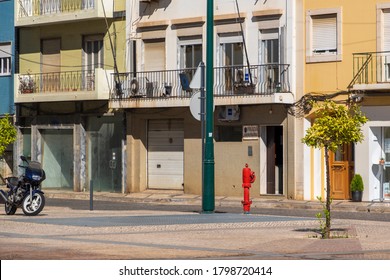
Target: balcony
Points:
(62, 86)
(42, 12)
(232, 86)
(371, 71)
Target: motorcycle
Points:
(25, 191)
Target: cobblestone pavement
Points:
(64, 233)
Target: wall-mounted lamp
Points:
(356, 97)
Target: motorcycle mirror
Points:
(23, 158)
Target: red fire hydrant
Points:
(248, 177)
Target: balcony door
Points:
(190, 54)
(93, 58)
(154, 55)
(386, 47)
(270, 58)
(51, 65)
(231, 60)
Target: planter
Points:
(357, 196)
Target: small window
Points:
(5, 59)
(228, 133)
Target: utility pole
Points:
(208, 193)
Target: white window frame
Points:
(5, 58)
(311, 56)
(380, 26)
(184, 42)
(224, 39)
(100, 53)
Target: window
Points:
(228, 133)
(5, 59)
(190, 54)
(323, 35)
(231, 60)
(93, 52)
(93, 58)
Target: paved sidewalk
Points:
(62, 232)
(179, 198)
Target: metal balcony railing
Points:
(29, 8)
(371, 68)
(57, 82)
(228, 81)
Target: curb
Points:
(187, 199)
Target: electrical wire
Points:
(54, 65)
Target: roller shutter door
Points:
(165, 154)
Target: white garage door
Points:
(165, 154)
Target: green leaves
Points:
(334, 126)
(7, 133)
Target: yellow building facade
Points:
(67, 51)
(346, 54)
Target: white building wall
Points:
(368, 153)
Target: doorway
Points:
(271, 160)
(341, 168)
(166, 154)
(385, 168)
(57, 158)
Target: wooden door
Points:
(341, 165)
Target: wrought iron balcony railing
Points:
(29, 8)
(57, 82)
(263, 79)
(370, 68)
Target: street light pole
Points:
(208, 194)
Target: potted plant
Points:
(26, 84)
(357, 188)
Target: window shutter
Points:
(51, 55)
(5, 50)
(154, 56)
(324, 33)
(386, 30)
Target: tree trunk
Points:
(328, 198)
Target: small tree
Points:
(7, 133)
(334, 126)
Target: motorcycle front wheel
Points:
(34, 206)
(10, 209)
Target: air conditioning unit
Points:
(229, 113)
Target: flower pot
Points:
(357, 196)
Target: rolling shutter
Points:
(166, 154)
(51, 56)
(154, 56)
(386, 30)
(324, 33)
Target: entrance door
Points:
(57, 158)
(104, 146)
(271, 160)
(341, 165)
(165, 154)
(385, 191)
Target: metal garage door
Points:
(165, 154)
